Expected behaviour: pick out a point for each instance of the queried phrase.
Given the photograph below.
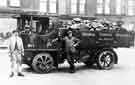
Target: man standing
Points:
(70, 42)
(16, 50)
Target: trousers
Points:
(16, 62)
(70, 59)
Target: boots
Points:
(20, 74)
(72, 69)
(11, 75)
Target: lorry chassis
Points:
(45, 61)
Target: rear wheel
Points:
(105, 59)
(43, 63)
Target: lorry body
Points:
(95, 47)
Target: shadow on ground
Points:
(63, 69)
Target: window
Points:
(131, 6)
(118, 7)
(3, 3)
(62, 6)
(15, 3)
(99, 6)
(52, 6)
(73, 6)
(130, 28)
(107, 6)
(82, 6)
(7, 24)
(43, 5)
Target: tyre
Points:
(106, 59)
(43, 63)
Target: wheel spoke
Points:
(49, 61)
(47, 68)
(105, 60)
(108, 61)
(39, 62)
(103, 64)
(45, 58)
(41, 58)
(106, 64)
(40, 66)
(45, 61)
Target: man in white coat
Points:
(16, 51)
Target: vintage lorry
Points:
(95, 47)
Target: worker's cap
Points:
(77, 19)
(95, 20)
(69, 32)
(86, 21)
(14, 31)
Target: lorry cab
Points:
(36, 31)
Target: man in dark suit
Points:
(70, 42)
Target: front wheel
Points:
(105, 59)
(42, 63)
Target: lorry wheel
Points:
(105, 59)
(42, 63)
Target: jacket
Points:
(12, 42)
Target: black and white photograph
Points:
(67, 42)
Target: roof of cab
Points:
(29, 16)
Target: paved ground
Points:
(122, 74)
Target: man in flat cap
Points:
(70, 42)
(16, 51)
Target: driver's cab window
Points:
(34, 26)
(40, 26)
(27, 23)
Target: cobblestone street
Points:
(121, 74)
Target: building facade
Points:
(58, 7)
(71, 7)
(114, 10)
